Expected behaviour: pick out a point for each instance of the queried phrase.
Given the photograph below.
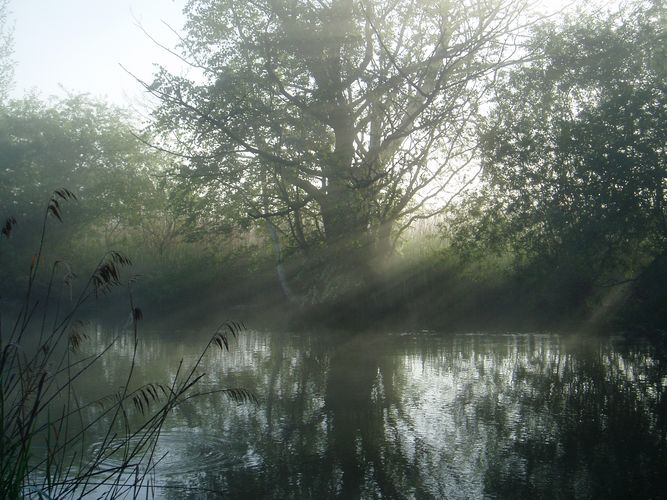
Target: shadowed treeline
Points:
(532, 144)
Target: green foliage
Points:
(573, 150)
(335, 120)
(127, 200)
(91, 148)
(45, 426)
(77, 142)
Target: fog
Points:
(358, 249)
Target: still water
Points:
(408, 415)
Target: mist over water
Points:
(408, 415)
(399, 169)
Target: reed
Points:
(45, 426)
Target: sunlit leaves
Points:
(333, 120)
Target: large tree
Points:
(339, 121)
(575, 166)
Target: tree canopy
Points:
(77, 143)
(574, 150)
(335, 120)
(90, 149)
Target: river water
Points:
(406, 415)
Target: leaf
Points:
(239, 395)
(138, 403)
(77, 336)
(65, 194)
(137, 315)
(221, 341)
(55, 212)
(147, 394)
(220, 337)
(8, 227)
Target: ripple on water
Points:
(186, 451)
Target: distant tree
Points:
(78, 143)
(575, 168)
(89, 148)
(339, 122)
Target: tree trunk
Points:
(280, 265)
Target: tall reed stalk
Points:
(44, 425)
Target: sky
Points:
(78, 46)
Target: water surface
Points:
(408, 415)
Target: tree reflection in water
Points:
(420, 416)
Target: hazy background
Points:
(79, 45)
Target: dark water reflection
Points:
(416, 415)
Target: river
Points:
(417, 414)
